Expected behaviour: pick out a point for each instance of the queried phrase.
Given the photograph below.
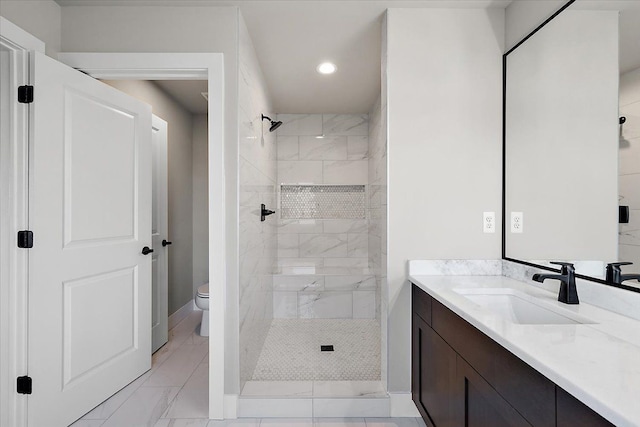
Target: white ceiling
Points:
(292, 37)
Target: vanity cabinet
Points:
(461, 377)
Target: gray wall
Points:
(199, 153)
(42, 19)
(180, 184)
(444, 149)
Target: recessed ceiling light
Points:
(326, 68)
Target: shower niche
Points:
(323, 202)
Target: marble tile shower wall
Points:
(629, 179)
(377, 235)
(323, 264)
(257, 182)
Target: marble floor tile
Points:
(109, 406)
(143, 408)
(241, 422)
(275, 407)
(339, 422)
(177, 369)
(350, 407)
(278, 388)
(184, 332)
(286, 422)
(87, 423)
(193, 400)
(348, 389)
(392, 422)
(182, 422)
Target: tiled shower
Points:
(323, 266)
(326, 283)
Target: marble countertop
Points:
(597, 363)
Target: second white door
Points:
(160, 236)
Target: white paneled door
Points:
(159, 236)
(90, 212)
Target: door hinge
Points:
(25, 239)
(25, 94)
(24, 385)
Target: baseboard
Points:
(402, 405)
(230, 409)
(181, 313)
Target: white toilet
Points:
(202, 302)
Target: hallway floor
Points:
(174, 393)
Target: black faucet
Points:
(614, 275)
(568, 292)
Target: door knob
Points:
(146, 250)
(166, 243)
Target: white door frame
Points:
(187, 66)
(14, 261)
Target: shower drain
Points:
(326, 348)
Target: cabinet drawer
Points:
(524, 388)
(478, 404)
(421, 303)
(433, 375)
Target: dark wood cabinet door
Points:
(477, 404)
(572, 412)
(433, 375)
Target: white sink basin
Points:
(518, 307)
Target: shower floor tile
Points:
(291, 351)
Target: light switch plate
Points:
(517, 222)
(489, 222)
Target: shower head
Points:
(274, 125)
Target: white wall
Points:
(523, 16)
(199, 153)
(41, 18)
(180, 184)
(444, 149)
(562, 139)
(178, 29)
(630, 169)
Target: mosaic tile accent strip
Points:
(291, 351)
(322, 202)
